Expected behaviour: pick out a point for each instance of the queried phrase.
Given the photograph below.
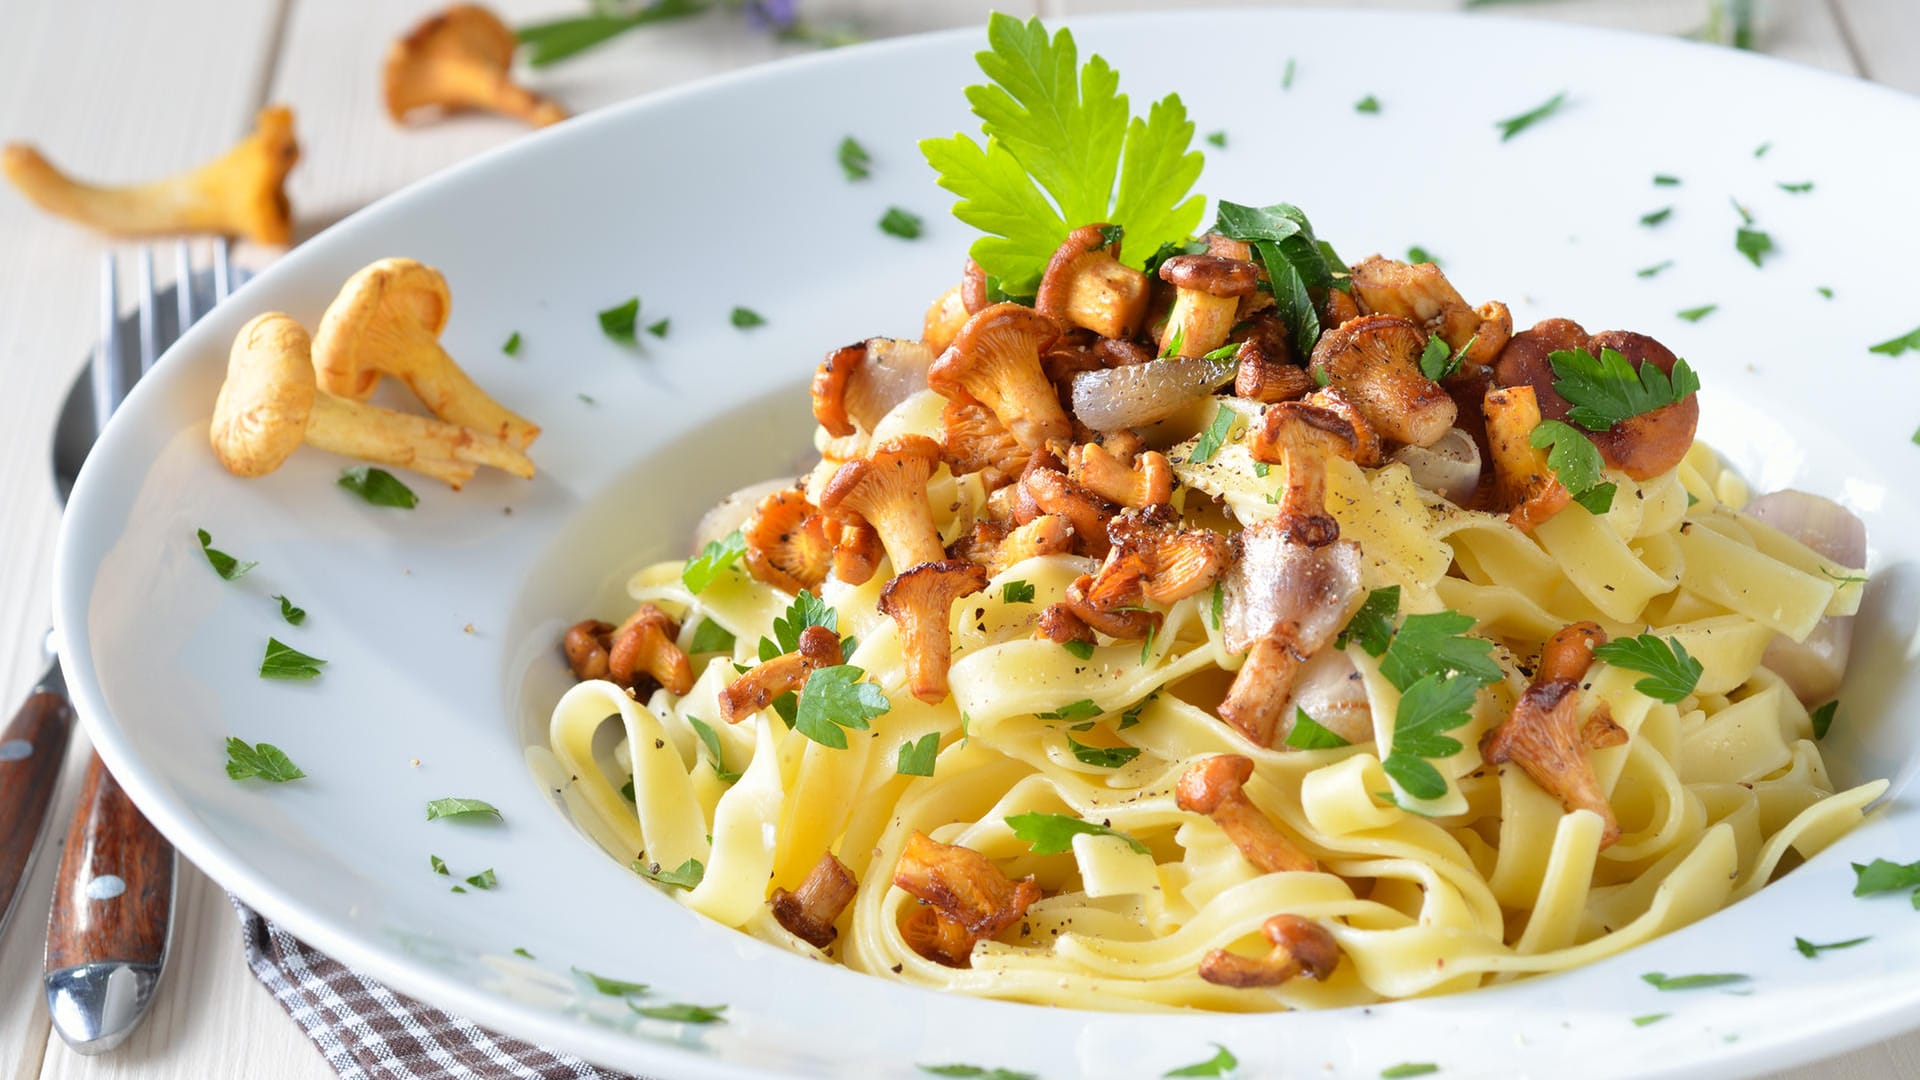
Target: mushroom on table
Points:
(462, 58)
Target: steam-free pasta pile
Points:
(1145, 660)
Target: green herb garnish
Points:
(1655, 217)
(1897, 345)
(1368, 104)
(685, 1014)
(854, 160)
(1608, 390)
(975, 1072)
(611, 987)
(263, 761)
(1408, 1068)
(901, 223)
(283, 661)
(1576, 462)
(1103, 757)
(554, 41)
(1051, 834)
(1300, 268)
(1215, 436)
(1016, 592)
(1809, 950)
(1881, 876)
(1672, 673)
(659, 329)
(437, 865)
(1752, 243)
(1663, 180)
(512, 347)
(1082, 650)
(1649, 1018)
(1822, 718)
(617, 322)
(1428, 708)
(711, 637)
(1309, 734)
(685, 876)
(1800, 188)
(1661, 981)
(746, 318)
(1073, 710)
(1650, 271)
(1514, 125)
(833, 699)
(1221, 1063)
(485, 879)
(461, 808)
(710, 739)
(917, 756)
(1217, 138)
(716, 556)
(379, 487)
(293, 615)
(1438, 644)
(1695, 314)
(1372, 625)
(223, 564)
(518, 951)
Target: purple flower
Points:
(773, 14)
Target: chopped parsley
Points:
(1800, 188)
(685, 876)
(1103, 757)
(1430, 707)
(263, 761)
(854, 159)
(294, 615)
(1437, 644)
(461, 808)
(1175, 342)
(485, 879)
(1408, 1068)
(1300, 268)
(917, 757)
(611, 987)
(746, 318)
(1217, 138)
(1309, 734)
(512, 347)
(806, 610)
(1074, 710)
(685, 1014)
(379, 487)
(1286, 79)
(710, 739)
(1649, 1018)
(1372, 625)
(716, 556)
(1368, 104)
(1218, 605)
(1881, 876)
(1809, 950)
(518, 951)
(1822, 718)
(1215, 436)
(901, 223)
(834, 699)
(1576, 462)
(1051, 123)
(711, 637)
(223, 564)
(1514, 125)
(1761, 150)
(617, 322)
(1672, 674)
(1753, 243)
(1663, 180)
(437, 864)
(1660, 981)
(975, 1072)
(283, 661)
(1897, 345)
(1082, 650)
(1608, 390)
(1222, 1063)
(659, 329)
(1016, 592)
(1655, 217)
(1649, 271)
(1051, 834)
(1695, 314)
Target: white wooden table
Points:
(123, 89)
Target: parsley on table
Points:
(1408, 1068)
(1514, 125)
(1655, 217)
(1221, 1063)
(294, 615)
(264, 761)
(1800, 188)
(283, 661)
(1896, 345)
(1437, 643)
(512, 347)
(1300, 268)
(617, 322)
(917, 756)
(461, 808)
(1576, 462)
(685, 1014)
(716, 556)
(1082, 650)
(1672, 673)
(1822, 718)
(379, 487)
(710, 739)
(1695, 314)
(1663, 180)
(1660, 981)
(1649, 1018)
(833, 699)
(611, 987)
(975, 1072)
(1073, 710)
(685, 876)
(1017, 592)
(1058, 135)
(659, 329)
(1372, 625)
(1810, 950)
(1430, 707)
(1881, 876)
(746, 318)
(1215, 436)
(1368, 104)
(1753, 243)
(1608, 390)
(1103, 757)
(1217, 138)
(854, 159)
(711, 637)
(223, 564)
(1649, 271)
(1051, 834)
(1746, 216)
(485, 879)
(1309, 734)
(901, 223)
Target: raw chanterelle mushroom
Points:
(387, 321)
(269, 405)
(239, 194)
(462, 58)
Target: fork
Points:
(112, 915)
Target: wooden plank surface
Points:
(122, 90)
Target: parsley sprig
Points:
(835, 699)
(1672, 674)
(1576, 461)
(264, 761)
(1300, 268)
(1051, 834)
(1439, 670)
(1607, 390)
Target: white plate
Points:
(728, 193)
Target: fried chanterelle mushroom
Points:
(784, 674)
(810, 911)
(461, 58)
(1300, 947)
(1542, 737)
(968, 899)
(242, 193)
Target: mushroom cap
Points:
(928, 591)
(383, 309)
(1643, 446)
(260, 417)
(252, 178)
(1375, 361)
(1215, 275)
(464, 34)
(995, 361)
(906, 460)
(1210, 781)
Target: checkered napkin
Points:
(368, 1032)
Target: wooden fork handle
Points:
(31, 750)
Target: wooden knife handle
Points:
(32, 748)
(113, 899)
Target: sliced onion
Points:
(893, 371)
(733, 511)
(1135, 395)
(1277, 584)
(1814, 667)
(1450, 467)
(1329, 689)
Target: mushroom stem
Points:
(888, 488)
(1214, 786)
(784, 674)
(239, 194)
(1300, 947)
(1528, 488)
(1256, 701)
(810, 911)
(439, 449)
(920, 603)
(644, 645)
(1299, 437)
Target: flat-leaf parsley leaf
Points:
(1104, 757)
(685, 876)
(452, 807)
(1051, 834)
(294, 615)
(1660, 981)
(1428, 708)
(379, 487)
(1897, 345)
(1220, 1064)
(917, 756)
(1514, 125)
(1610, 389)
(834, 698)
(262, 760)
(1672, 673)
(901, 223)
(618, 321)
(223, 564)
(283, 661)
(716, 556)
(854, 159)
(1576, 461)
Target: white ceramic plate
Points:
(439, 624)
